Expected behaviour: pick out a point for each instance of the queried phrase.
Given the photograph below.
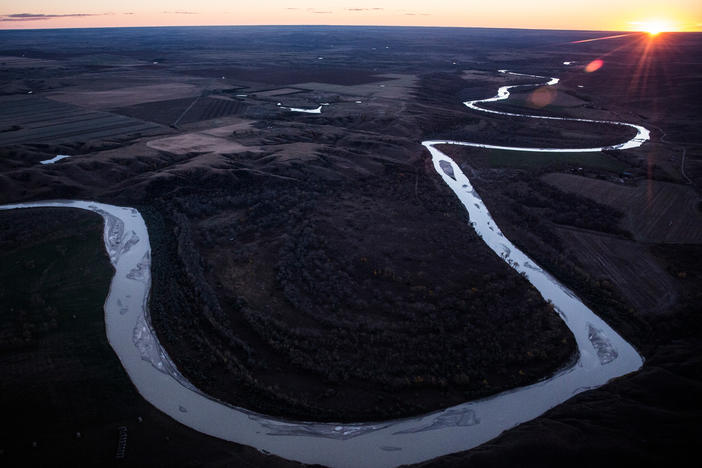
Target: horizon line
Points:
(342, 26)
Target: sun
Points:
(655, 26)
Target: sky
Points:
(684, 15)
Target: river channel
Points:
(603, 353)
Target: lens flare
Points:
(542, 96)
(655, 26)
(594, 66)
(601, 38)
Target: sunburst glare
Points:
(655, 26)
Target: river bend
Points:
(603, 354)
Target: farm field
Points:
(38, 120)
(622, 261)
(654, 211)
(127, 95)
(285, 76)
(183, 111)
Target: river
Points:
(603, 354)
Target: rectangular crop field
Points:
(168, 112)
(38, 120)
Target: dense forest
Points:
(362, 300)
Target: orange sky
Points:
(683, 15)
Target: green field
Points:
(525, 159)
(53, 284)
(60, 376)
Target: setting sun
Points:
(656, 26)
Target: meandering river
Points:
(603, 354)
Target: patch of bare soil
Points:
(199, 143)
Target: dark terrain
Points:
(64, 393)
(316, 266)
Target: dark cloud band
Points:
(41, 16)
